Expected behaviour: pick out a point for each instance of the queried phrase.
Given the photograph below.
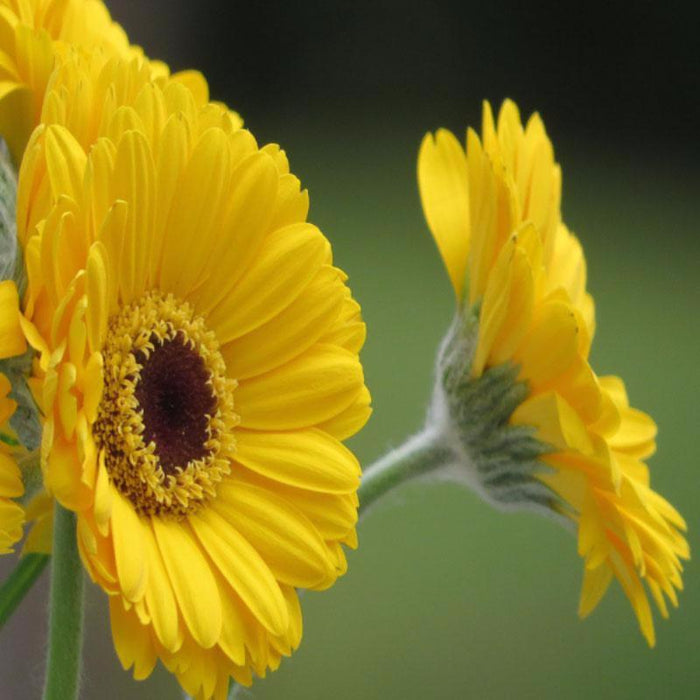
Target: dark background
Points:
(447, 598)
(618, 74)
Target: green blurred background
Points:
(447, 598)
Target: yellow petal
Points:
(292, 205)
(556, 422)
(551, 344)
(103, 497)
(131, 640)
(65, 162)
(124, 119)
(286, 540)
(313, 388)
(40, 536)
(333, 515)
(63, 475)
(493, 213)
(350, 420)
(580, 387)
(195, 82)
(192, 580)
(309, 459)
(506, 309)
(636, 432)
(635, 593)
(12, 518)
(112, 235)
(235, 631)
(173, 152)
(93, 379)
(99, 176)
(67, 402)
(98, 294)
(10, 477)
(134, 176)
(251, 206)
(160, 598)
(129, 549)
(291, 332)
(150, 107)
(287, 262)
(444, 191)
(242, 567)
(12, 341)
(348, 330)
(595, 584)
(194, 225)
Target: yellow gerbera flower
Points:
(11, 487)
(198, 370)
(525, 325)
(34, 34)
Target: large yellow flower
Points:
(198, 369)
(11, 486)
(494, 211)
(35, 34)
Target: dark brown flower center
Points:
(176, 399)
(165, 423)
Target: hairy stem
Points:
(418, 456)
(66, 611)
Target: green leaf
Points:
(19, 582)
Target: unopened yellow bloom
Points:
(494, 211)
(198, 370)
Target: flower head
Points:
(515, 385)
(38, 35)
(198, 369)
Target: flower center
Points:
(176, 401)
(165, 422)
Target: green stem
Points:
(66, 611)
(419, 455)
(19, 582)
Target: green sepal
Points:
(25, 420)
(501, 460)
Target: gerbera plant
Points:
(196, 370)
(518, 412)
(179, 364)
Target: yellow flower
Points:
(35, 35)
(11, 513)
(32, 33)
(198, 369)
(520, 280)
(12, 340)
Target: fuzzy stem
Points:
(419, 455)
(19, 582)
(66, 611)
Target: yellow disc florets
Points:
(165, 422)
